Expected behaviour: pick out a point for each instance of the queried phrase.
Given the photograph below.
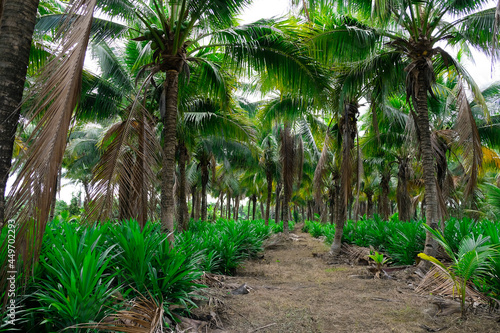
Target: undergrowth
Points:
(87, 272)
(403, 241)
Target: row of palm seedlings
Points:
(466, 242)
(87, 273)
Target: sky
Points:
(480, 70)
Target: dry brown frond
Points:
(57, 93)
(469, 140)
(437, 282)
(128, 167)
(143, 316)
(320, 171)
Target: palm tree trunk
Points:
(221, 204)
(403, 197)
(193, 201)
(204, 182)
(228, 205)
(183, 214)
(369, 205)
(254, 200)
(277, 206)
(349, 129)
(169, 139)
(16, 30)
(262, 211)
(431, 200)
(214, 213)
(236, 207)
(269, 178)
(198, 206)
(384, 197)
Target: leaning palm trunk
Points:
(431, 202)
(349, 127)
(16, 30)
(169, 136)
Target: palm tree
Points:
(82, 155)
(412, 31)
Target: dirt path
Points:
(294, 289)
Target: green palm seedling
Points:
(379, 260)
(75, 286)
(470, 262)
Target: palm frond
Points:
(58, 91)
(469, 140)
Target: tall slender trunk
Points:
(403, 197)
(288, 162)
(369, 205)
(222, 204)
(262, 212)
(277, 205)
(204, 182)
(384, 197)
(16, 30)
(193, 201)
(236, 207)
(254, 200)
(332, 205)
(183, 207)
(228, 205)
(171, 89)
(269, 178)
(431, 200)
(349, 129)
(358, 178)
(248, 209)
(214, 214)
(198, 206)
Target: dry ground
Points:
(294, 289)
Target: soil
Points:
(297, 287)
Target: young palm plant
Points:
(471, 261)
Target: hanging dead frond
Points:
(321, 169)
(57, 93)
(469, 141)
(128, 167)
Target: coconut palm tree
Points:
(413, 31)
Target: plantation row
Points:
(85, 272)
(466, 242)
